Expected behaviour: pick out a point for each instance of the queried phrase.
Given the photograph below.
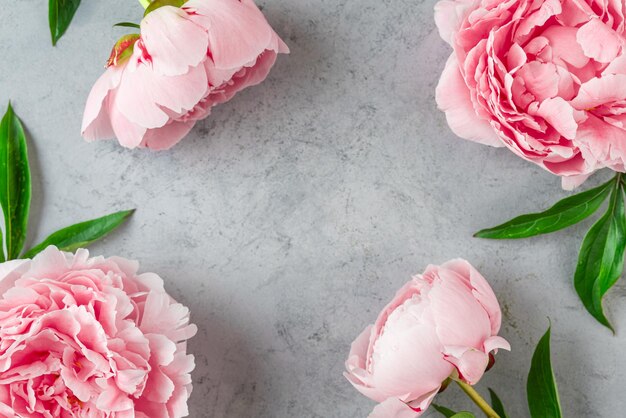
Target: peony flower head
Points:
(543, 78)
(186, 60)
(443, 323)
(90, 337)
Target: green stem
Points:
(144, 3)
(478, 400)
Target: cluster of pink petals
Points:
(185, 61)
(90, 338)
(547, 79)
(443, 323)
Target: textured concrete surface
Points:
(289, 217)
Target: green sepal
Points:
(123, 49)
(157, 4)
(127, 25)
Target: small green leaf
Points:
(446, 412)
(60, 15)
(127, 25)
(160, 3)
(463, 414)
(601, 257)
(564, 213)
(541, 389)
(82, 234)
(15, 187)
(496, 404)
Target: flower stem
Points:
(478, 400)
(144, 3)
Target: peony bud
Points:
(443, 323)
(186, 60)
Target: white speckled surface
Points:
(289, 217)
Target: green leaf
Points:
(15, 188)
(160, 3)
(496, 404)
(2, 257)
(601, 257)
(541, 390)
(448, 413)
(127, 25)
(60, 15)
(564, 213)
(82, 234)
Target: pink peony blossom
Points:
(443, 323)
(89, 337)
(547, 79)
(185, 61)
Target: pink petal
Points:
(617, 66)
(481, 290)
(572, 182)
(407, 361)
(537, 18)
(167, 136)
(173, 42)
(129, 134)
(598, 41)
(564, 46)
(602, 142)
(470, 363)
(238, 31)
(113, 400)
(495, 343)
(449, 15)
(541, 79)
(393, 408)
(461, 319)
(162, 349)
(96, 124)
(454, 99)
(159, 386)
(560, 114)
(600, 90)
(143, 94)
(10, 271)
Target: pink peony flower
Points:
(89, 337)
(442, 323)
(185, 61)
(547, 79)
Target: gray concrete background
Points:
(288, 219)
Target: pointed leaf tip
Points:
(496, 404)
(541, 387)
(60, 15)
